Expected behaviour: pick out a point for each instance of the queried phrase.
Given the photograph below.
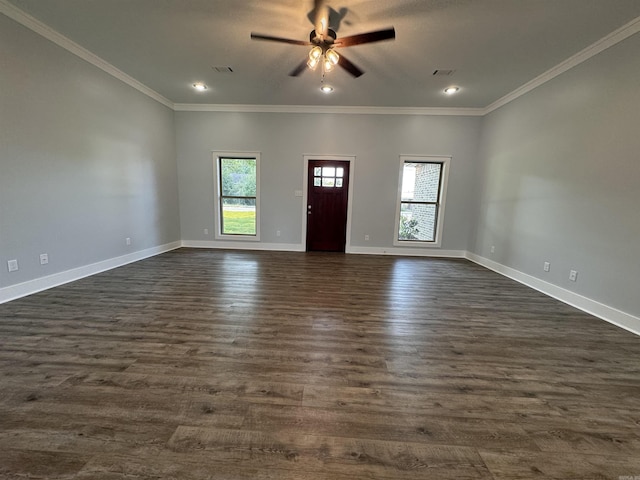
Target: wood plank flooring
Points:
(203, 364)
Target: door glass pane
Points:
(338, 182)
(339, 172)
(238, 216)
(328, 171)
(421, 181)
(417, 222)
(328, 182)
(317, 182)
(317, 171)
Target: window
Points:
(237, 196)
(329, 177)
(421, 194)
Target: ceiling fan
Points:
(324, 41)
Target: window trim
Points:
(218, 195)
(444, 180)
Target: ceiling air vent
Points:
(443, 72)
(221, 69)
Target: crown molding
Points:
(316, 109)
(47, 32)
(592, 50)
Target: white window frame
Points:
(444, 180)
(218, 195)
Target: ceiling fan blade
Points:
(369, 37)
(299, 69)
(270, 38)
(349, 66)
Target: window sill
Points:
(414, 244)
(241, 238)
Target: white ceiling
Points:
(495, 46)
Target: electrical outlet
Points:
(547, 266)
(206, 231)
(127, 241)
(573, 276)
(12, 265)
(493, 249)
(277, 233)
(44, 259)
(366, 238)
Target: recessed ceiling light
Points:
(201, 87)
(326, 88)
(451, 90)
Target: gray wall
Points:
(85, 161)
(561, 182)
(283, 139)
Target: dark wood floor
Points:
(202, 364)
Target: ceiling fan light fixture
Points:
(328, 66)
(326, 88)
(199, 86)
(315, 53)
(313, 63)
(332, 56)
(451, 90)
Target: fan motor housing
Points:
(329, 38)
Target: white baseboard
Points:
(294, 247)
(609, 314)
(408, 252)
(30, 287)
(223, 245)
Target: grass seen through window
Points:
(239, 222)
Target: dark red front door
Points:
(327, 195)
